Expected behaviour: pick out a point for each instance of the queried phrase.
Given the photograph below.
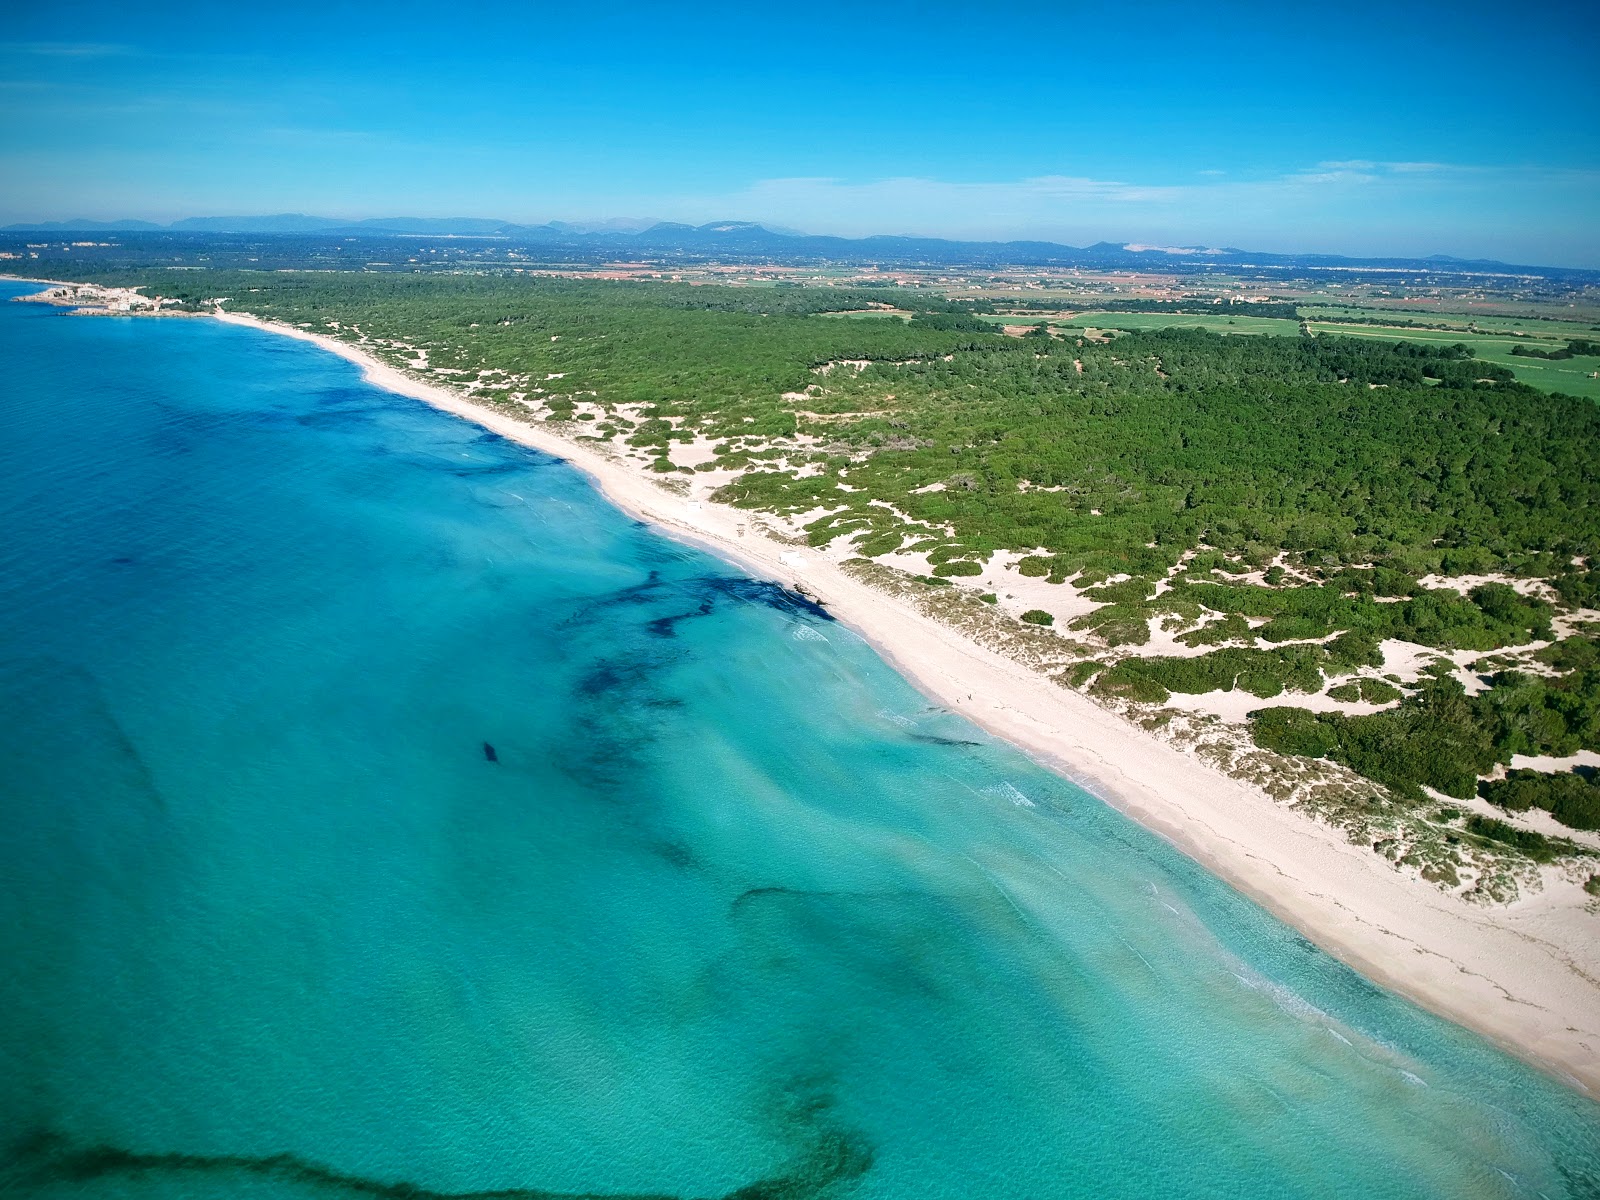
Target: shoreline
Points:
(1518, 975)
(1526, 975)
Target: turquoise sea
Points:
(732, 912)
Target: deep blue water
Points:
(734, 909)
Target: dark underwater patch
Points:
(470, 469)
(762, 591)
(354, 396)
(474, 472)
(633, 594)
(45, 1159)
(67, 717)
(335, 418)
(703, 591)
(613, 674)
(618, 709)
(1581, 1184)
(666, 627)
(677, 854)
(904, 942)
(930, 739)
(757, 894)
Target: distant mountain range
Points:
(282, 223)
(746, 240)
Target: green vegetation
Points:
(1573, 798)
(1262, 673)
(1576, 653)
(1573, 349)
(1531, 325)
(1220, 319)
(1535, 845)
(1385, 603)
(1167, 441)
(1370, 691)
(1191, 307)
(1510, 350)
(1441, 737)
(1579, 588)
(1037, 616)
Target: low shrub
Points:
(1569, 797)
(1535, 845)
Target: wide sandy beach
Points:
(1526, 975)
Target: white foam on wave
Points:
(1287, 999)
(1142, 958)
(1294, 1004)
(804, 633)
(1006, 791)
(1156, 892)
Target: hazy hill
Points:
(753, 241)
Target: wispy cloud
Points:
(1368, 204)
(998, 198)
(67, 49)
(1403, 168)
(1341, 174)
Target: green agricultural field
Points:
(1572, 375)
(1533, 325)
(1137, 322)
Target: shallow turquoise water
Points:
(735, 909)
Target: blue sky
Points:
(1355, 127)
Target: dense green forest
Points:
(1274, 500)
(1118, 458)
(1441, 737)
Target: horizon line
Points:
(587, 227)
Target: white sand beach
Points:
(1527, 974)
